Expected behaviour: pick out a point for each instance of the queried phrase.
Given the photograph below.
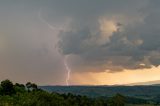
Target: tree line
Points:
(30, 95)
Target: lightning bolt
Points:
(65, 59)
(68, 70)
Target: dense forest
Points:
(31, 95)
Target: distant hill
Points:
(157, 82)
(107, 91)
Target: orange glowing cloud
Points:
(124, 77)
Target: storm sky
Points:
(104, 41)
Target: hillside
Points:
(96, 91)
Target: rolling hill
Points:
(146, 91)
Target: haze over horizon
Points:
(80, 42)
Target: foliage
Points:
(30, 95)
(117, 100)
(7, 87)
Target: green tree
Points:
(34, 86)
(19, 85)
(117, 100)
(19, 88)
(31, 86)
(28, 85)
(7, 87)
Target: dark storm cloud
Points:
(135, 46)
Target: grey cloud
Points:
(137, 43)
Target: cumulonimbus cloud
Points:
(134, 42)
